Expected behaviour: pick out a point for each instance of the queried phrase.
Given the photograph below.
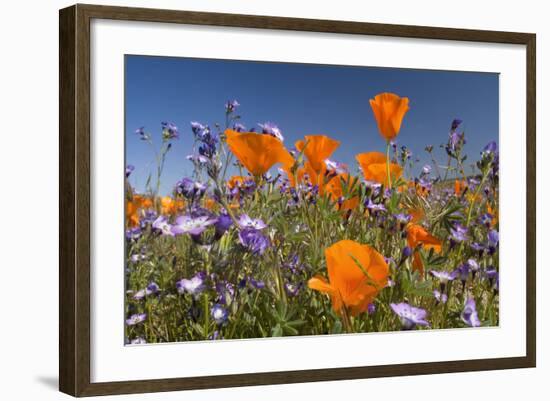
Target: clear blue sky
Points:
(301, 99)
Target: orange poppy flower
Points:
(417, 214)
(317, 148)
(389, 110)
(419, 236)
(170, 206)
(257, 152)
(460, 186)
(210, 204)
(133, 207)
(336, 191)
(493, 213)
(132, 213)
(356, 275)
(373, 165)
(143, 202)
(237, 181)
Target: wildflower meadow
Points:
(267, 238)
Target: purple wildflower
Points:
(133, 234)
(239, 127)
(197, 128)
(371, 308)
(456, 122)
(292, 289)
(193, 225)
(161, 225)
(197, 158)
(253, 240)
(231, 105)
(440, 297)
(375, 207)
(469, 314)
(444, 276)
(486, 219)
(409, 315)
(142, 134)
(257, 284)
(492, 275)
(478, 248)
(459, 233)
(473, 265)
(335, 167)
(271, 129)
(223, 223)
(137, 257)
(136, 319)
(463, 271)
(215, 336)
(402, 219)
(219, 314)
(190, 189)
(490, 149)
(129, 169)
(194, 286)
(152, 288)
(169, 130)
(492, 237)
(246, 222)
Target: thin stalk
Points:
(388, 163)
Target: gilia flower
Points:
(373, 165)
(257, 152)
(418, 236)
(356, 275)
(410, 316)
(389, 110)
(469, 314)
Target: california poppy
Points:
(373, 165)
(417, 214)
(210, 204)
(419, 236)
(356, 275)
(389, 110)
(133, 207)
(257, 152)
(460, 186)
(170, 206)
(493, 213)
(236, 181)
(317, 148)
(132, 214)
(336, 191)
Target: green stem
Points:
(388, 163)
(206, 316)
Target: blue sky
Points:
(301, 99)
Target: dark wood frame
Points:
(74, 199)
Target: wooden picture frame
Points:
(74, 199)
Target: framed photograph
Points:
(260, 200)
